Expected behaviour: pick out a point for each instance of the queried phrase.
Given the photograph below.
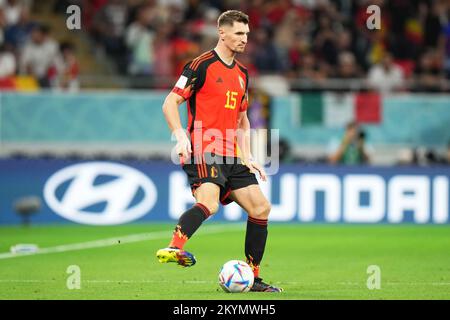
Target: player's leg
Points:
(207, 203)
(253, 201)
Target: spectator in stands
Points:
(18, 34)
(12, 10)
(184, 48)
(344, 41)
(7, 63)
(2, 25)
(265, 54)
(445, 45)
(283, 32)
(65, 71)
(61, 6)
(433, 23)
(352, 149)
(207, 29)
(285, 35)
(139, 38)
(347, 67)
(38, 55)
(385, 76)
(108, 28)
(311, 70)
(296, 49)
(325, 41)
(195, 9)
(164, 54)
(429, 73)
(90, 9)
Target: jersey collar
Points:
(229, 66)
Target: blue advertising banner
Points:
(108, 193)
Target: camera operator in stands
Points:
(352, 149)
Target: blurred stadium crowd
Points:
(296, 45)
(313, 41)
(27, 48)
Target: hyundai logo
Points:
(100, 193)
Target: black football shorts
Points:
(227, 172)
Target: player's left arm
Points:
(243, 136)
(243, 140)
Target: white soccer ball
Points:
(236, 276)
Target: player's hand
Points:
(256, 167)
(183, 147)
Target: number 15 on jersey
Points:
(231, 100)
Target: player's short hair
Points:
(231, 16)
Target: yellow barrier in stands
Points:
(26, 83)
(19, 83)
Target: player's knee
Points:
(262, 211)
(212, 206)
(265, 211)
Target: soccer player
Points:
(215, 86)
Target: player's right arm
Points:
(172, 115)
(182, 91)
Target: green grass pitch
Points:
(308, 261)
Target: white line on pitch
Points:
(106, 281)
(118, 241)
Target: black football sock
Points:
(255, 242)
(188, 223)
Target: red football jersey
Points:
(216, 93)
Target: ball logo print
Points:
(100, 193)
(236, 276)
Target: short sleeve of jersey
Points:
(185, 85)
(244, 103)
